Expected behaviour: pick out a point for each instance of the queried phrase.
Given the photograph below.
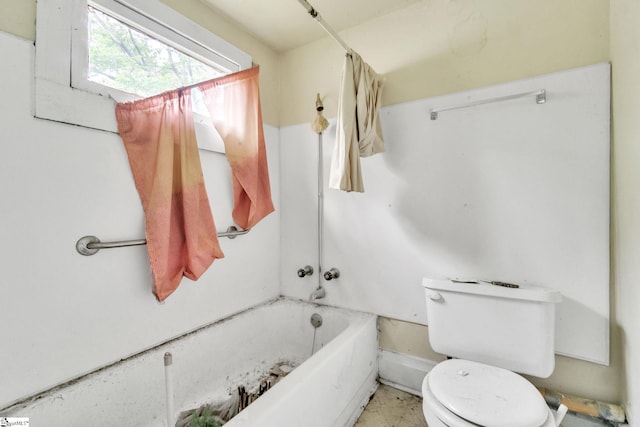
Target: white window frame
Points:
(62, 91)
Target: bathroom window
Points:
(129, 60)
(92, 53)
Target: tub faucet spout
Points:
(317, 294)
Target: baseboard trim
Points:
(403, 371)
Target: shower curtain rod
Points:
(315, 15)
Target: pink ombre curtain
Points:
(158, 134)
(234, 104)
(159, 137)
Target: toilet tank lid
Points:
(479, 287)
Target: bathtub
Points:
(334, 375)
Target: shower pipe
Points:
(315, 15)
(89, 245)
(541, 98)
(320, 210)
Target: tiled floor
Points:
(391, 407)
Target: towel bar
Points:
(90, 245)
(541, 98)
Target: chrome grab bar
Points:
(90, 245)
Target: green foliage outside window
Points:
(126, 59)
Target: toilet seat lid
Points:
(487, 395)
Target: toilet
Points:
(491, 330)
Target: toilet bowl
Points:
(462, 393)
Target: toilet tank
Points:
(511, 328)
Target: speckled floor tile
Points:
(391, 407)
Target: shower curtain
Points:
(234, 104)
(159, 137)
(358, 125)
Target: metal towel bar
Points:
(90, 245)
(541, 98)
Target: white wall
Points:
(512, 191)
(410, 222)
(64, 314)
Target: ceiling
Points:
(285, 24)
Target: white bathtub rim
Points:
(321, 303)
(27, 401)
(30, 399)
(285, 386)
(288, 384)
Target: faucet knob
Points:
(334, 273)
(307, 270)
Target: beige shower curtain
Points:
(358, 126)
